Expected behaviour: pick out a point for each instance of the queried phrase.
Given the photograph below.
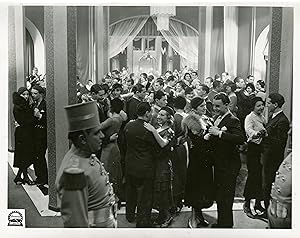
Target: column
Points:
(201, 43)
(252, 41)
(60, 51)
(101, 40)
(12, 74)
(208, 32)
(6, 95)
(230, 40)
(158, 46)
(92, 63)
(274, 62)
(16, 62)
(169, 59)
(130, 57)
(286, 60)
(20, 45)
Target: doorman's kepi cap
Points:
(82, 116)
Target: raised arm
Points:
(160, 140)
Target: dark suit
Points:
(226, 167)
(273, 151)
(131, 106)
(212, 94)
(139, 171)
(40, 142)
(209, 108)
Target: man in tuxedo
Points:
(160, 100)
(139, 167)
(40, 135)
(217, 87)
(100, 94)
(274, 143)
(203, 91)
(225, 135)
(139, 91)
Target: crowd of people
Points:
(167, 142)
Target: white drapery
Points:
(184, 40)
(122, 33)
(230, 40)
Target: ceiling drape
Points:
(122, 33)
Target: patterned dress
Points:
(163, 195)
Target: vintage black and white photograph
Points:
(149, 116)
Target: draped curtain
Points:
(217, 42)
(230, 40)
(121, 34)
(184, 40)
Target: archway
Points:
(146, 41)
(261, 50)
(38, 44)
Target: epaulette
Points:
(73, 179)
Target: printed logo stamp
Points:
(16, 218)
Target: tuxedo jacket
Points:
(277, 133)
(209, 108)
(141, 149)
(43, 110)
(131, 106)
(224, 148)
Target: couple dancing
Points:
(213, 144)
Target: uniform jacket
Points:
(281, 193)
(282, 187)
(97, 194)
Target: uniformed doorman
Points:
(85, 194)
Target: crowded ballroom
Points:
(150, 116)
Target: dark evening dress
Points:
(199, 190)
